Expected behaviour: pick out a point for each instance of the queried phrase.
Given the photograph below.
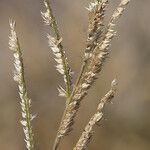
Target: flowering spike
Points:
(57, 48)
(88, 130)
(19, 78)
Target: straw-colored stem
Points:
(58, 138)
(83, 67)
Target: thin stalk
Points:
(83, 67)
(27, 103)
(58, 139)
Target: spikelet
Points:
(88, 130)
(55, 44)
(47, 15)
(92, 6)
(59, 58)
(61, 92)
(56, 51)
(95, 29)
(66, 124)
(19, 78)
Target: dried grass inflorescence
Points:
(98, 42)
(97, 50)
(19, 78)
(99, 54)
(55, 43)
(88, 130)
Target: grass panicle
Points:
(88, 130)
(98, 42)
(19, 78)
(89, 71)
(99, 55)
(55, 44)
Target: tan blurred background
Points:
(127, 122)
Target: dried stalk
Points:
(19, 78)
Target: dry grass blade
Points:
(88, 130)
(19, 78)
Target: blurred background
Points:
(126, 123)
